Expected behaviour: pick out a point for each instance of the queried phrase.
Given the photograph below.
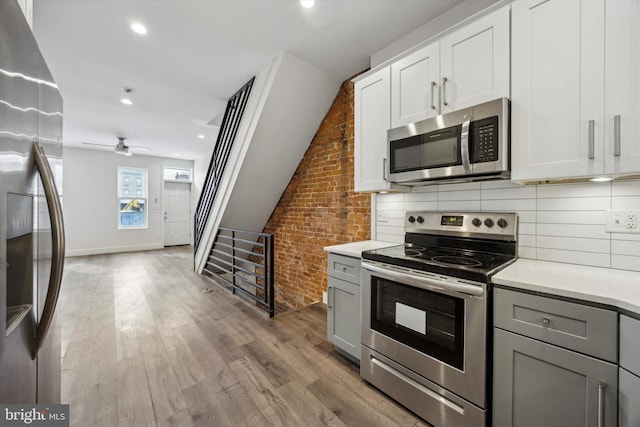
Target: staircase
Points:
(285, 105)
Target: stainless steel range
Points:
(424, 313)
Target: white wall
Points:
(90, 202)
(561, 222)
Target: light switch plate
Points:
(324, 297)
(622, 221)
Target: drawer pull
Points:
(546, 321)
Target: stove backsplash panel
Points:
(559, 222)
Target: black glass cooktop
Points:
(464, 258)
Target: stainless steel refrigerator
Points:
(31, 227)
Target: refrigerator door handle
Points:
(58, 243)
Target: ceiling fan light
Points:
(123, 151)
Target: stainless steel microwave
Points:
(464, 145)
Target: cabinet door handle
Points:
(601, 396)
(592, 124)
(444, 91)
(616, 135)
(329, 297)
(433, 95)
(385, 174)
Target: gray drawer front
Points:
(582, 328)
(630, 344)
(345, 268)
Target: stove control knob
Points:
(488, 222)
(420, 219)
(502, 223)
(476, 222)
(412, 219)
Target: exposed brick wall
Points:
(318, 208)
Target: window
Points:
(132, 198)
(177, 174)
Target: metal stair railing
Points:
(228, 130)
(243, 260)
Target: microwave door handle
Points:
(464, 143)
(58, 244)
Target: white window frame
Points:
(144, 197)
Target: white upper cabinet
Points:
(415, 92)
(470, 66)
(622, 86)
(372, 119)
(570, 91)
(474, 63)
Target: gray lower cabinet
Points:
(629, 391)
(554, 363)
(629, 399)
(539, 384)
(343, 304)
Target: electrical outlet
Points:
(618, 221)
(382, 216)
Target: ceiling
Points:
(196, 54)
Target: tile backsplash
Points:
(559, 222)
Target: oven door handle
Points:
(423, 282)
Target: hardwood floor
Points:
(143, 346)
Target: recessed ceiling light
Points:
(307, 3)
(601, 179)
(201, 136)
(138, 28)
(126, 101)
(177, 155)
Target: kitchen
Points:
(570, 218)
(553, 219)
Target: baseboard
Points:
(112, 250)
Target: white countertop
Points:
(355, 249)
(617, 288)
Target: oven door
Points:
(431, 325)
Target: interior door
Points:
(177, 213)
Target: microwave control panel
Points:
(485, 140)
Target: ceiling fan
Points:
(120, 147)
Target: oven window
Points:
(427, 321)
